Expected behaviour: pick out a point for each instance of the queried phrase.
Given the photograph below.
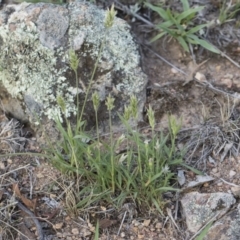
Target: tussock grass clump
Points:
(180, 26)
(140, 173)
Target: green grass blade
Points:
(157, 205)
(204, 232)
(166, 24)
(159, 10)
(197, 28)
(192, 169)
(164, 189)
(183, 43)
(96, 235)
(189, 14)
(185, 4)
(204, 44)
(158, 37)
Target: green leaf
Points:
(176, 161)
(158, 36)
(157, 205)
(204, 232)
(171, 31)
(197, 28)
(185, 4)
(96, 235)
(166, 24)
(153, 178)
(173, 18)
(188, 13)
(192, 169)
(183, 43)
(167, 189)
(159, 10)
(206, 45)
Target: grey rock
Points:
(199, 208)
(34, 63)
(226, 228)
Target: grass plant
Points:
(141, 173)
(228, 11)
(180, 26)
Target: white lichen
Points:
(29, 68)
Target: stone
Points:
(200, 77)
(75, 231)
(232, 173)
(199, 208)
(236, 191)
(35, 40)
(226, 228)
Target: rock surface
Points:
(199, 208)
(34, 63)
(226, 228)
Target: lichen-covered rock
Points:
(34, 62)
(200, 208)
(226, 228)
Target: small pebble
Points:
(232, 173)
(206, 184)
(218, 68)
(200, 77)
(236, 191)
(75, 231)
(214, 170)
(227, 82)
(146, 222)
(174, 71)
(158, 225)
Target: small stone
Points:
(232, 173)
(174, 70)
(9, 161)
(214, 170)
(158, 225)
(2, 165)
(52, 196)
(123, 234)
(236, 191)
(58, 225)
(206, 184)
(220, 184)
(67, 218)
(136, 223)
(218, 68)
(75, 231)
(227, 82)
(146, 222)
(40, 175)
(200, 77)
